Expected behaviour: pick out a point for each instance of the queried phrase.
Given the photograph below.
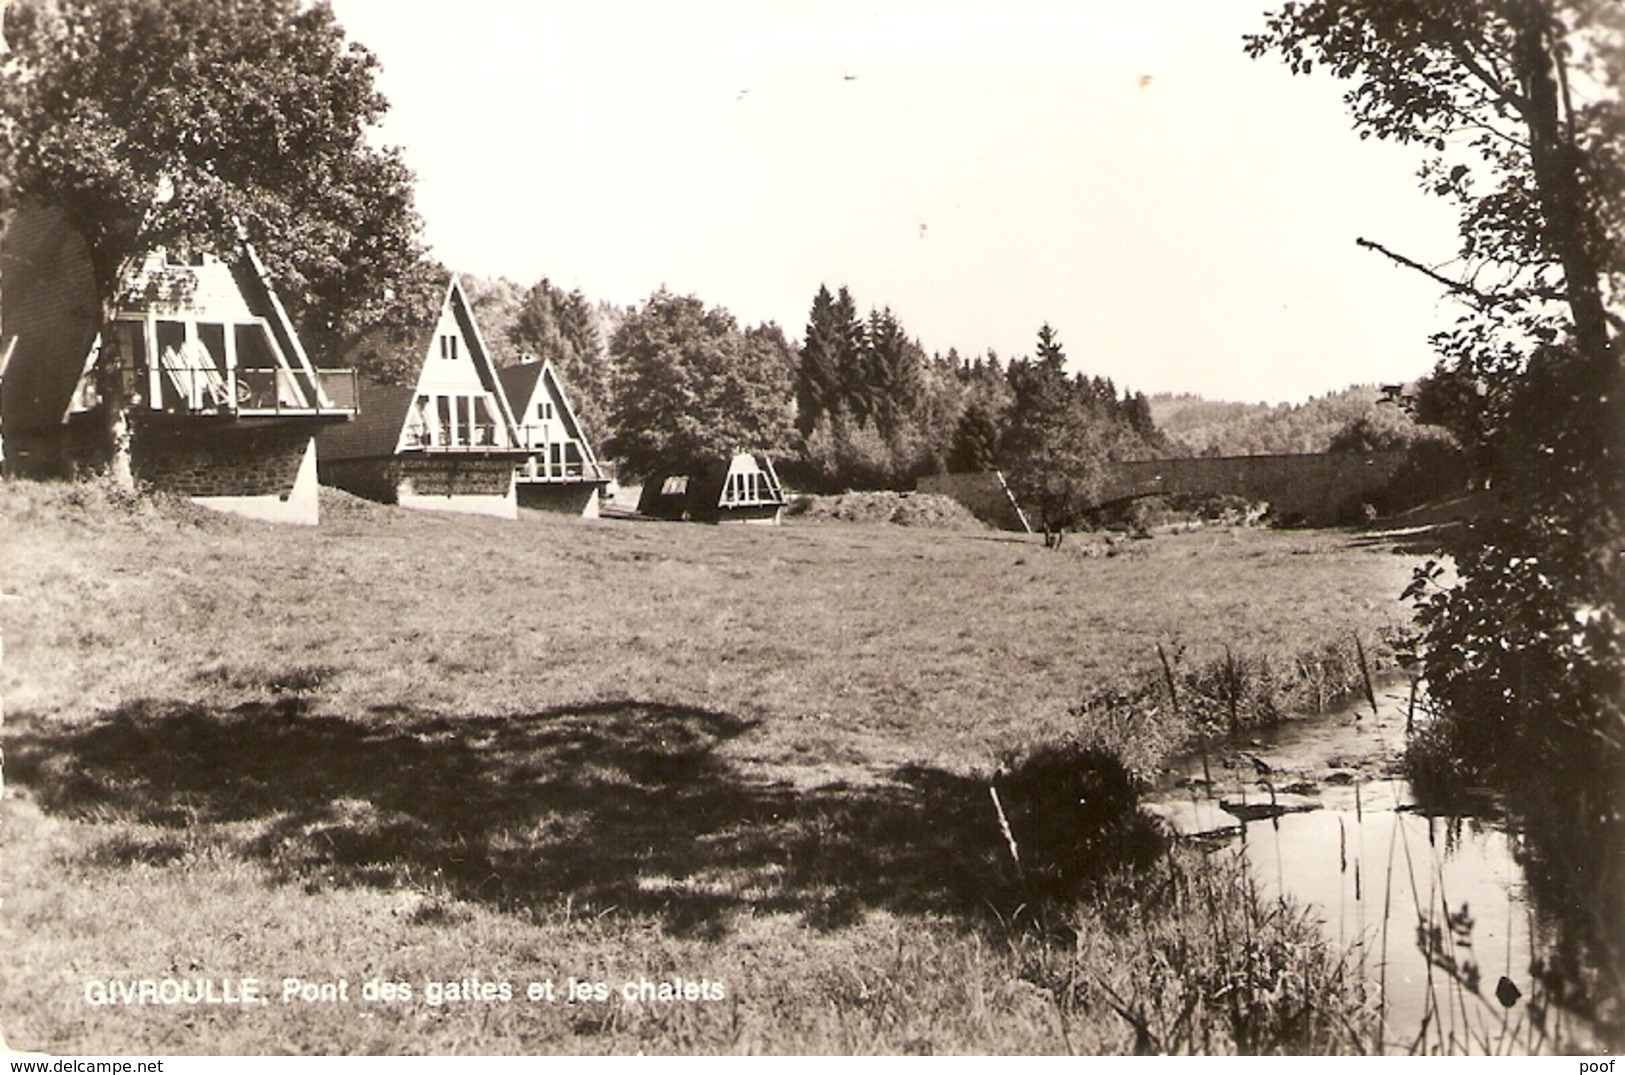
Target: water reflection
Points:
(1437, 907)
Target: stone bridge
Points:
(1321, 489)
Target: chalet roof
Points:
(519, 382)
(701, 489)
(48, 317)
(50, 313)
(375, 430)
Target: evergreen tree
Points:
(976, 440)
(818, 371)
(892, 373)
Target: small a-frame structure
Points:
(448, 442)
(225, 404)
(562, 473)
(741, 489)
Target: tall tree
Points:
(1056, 449)
(818, 373)
(186, 123)
(496, 302)
(893, 373)
(976, 440)
(690, 386)
(563, 326)
(1520, 105)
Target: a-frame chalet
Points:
(562, 473)
(225, 403)
(743, 488)
(447, 442)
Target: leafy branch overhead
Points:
(175, 123)
(1518, 103)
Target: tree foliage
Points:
(691, 386)
(1063, 434)
(551, 323)
(873, 410)
(184, 123)
(1196, 426)
(1519, 105)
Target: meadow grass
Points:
(416, 746)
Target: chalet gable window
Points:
(448, 348)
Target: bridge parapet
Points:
(1322, 489)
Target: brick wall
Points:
(208, 459)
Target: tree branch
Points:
(1483, 299)
(1455, 286)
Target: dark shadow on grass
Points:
(622, 804)
(1420, 541)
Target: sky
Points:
(1183, 216)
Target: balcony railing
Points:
(281, 391)
(553, 458)
(540, 469)
(480, 437)
(205, 389)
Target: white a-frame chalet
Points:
(448, 442)
(562, 473)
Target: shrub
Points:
(1073, 813)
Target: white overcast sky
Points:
(1184, 216)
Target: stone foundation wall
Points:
(216, 460)
(64, 452)
(564, 499)
(374, 479)
(452, 475)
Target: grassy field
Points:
(420, 748)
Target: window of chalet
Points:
(419, 428)
(448, 348)
(132, 344)
(443, 412)
(213, 337)
(254, 350)
(171, 337)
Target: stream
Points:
(1435, 906)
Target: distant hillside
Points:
(1212, 427)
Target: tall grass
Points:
(1180, 704)
(417, 746)
(1189, 957)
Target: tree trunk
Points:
(114, 390)
(1569, 229)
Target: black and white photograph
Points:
(812, 527)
